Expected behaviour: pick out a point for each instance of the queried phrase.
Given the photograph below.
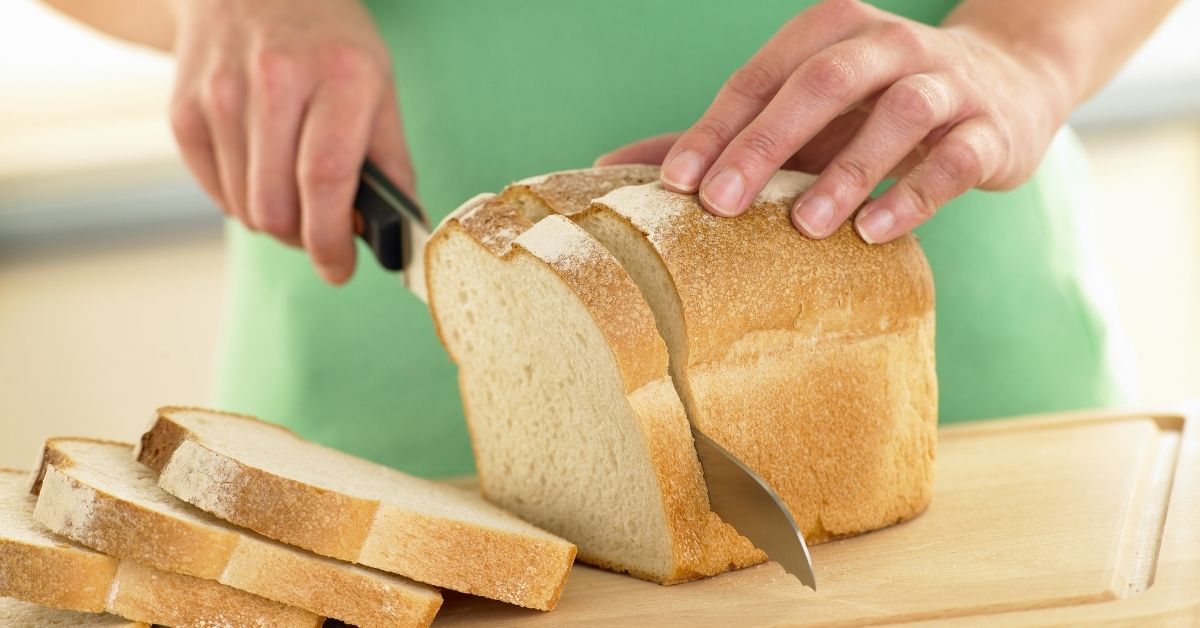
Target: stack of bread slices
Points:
(218, 519)
(595, 317)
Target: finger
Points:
(225, 97)
(277, 103)
(751, 87)
(333, 142)
(651, 150)
(820, 90)
(964, 158)
(389, 147)
(191, 133)
(904, 115)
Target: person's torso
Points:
(495, 91)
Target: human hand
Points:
(276, 105)
(858, 94)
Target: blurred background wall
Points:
(111, 259)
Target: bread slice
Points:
(573, 417)
(811, 360)
(38, 567)
(18, 614)
(95, 493)
(263, 477)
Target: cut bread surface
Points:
(95, 493)
(18, 614)
(574, 420)
(38, 567)
(265, 478)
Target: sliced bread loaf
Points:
(573, 417)
(263, 477)
(36, 566)
(811, 360)
(95, 493)
(18, 614)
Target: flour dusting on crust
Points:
(557, 243)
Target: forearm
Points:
(1078, 44)
(147, 22)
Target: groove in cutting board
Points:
(1143, 536)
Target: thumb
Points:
(650, 151)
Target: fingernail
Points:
(875, 224)
(815, 214)
(683, 171)
(724, 192)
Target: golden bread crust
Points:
(351, 527)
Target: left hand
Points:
(858, 94)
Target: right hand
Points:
(276, 105)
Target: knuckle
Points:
(187, 122)
(761, 145)
(341, 62)
(926, 208)
(224, 93)
(853, 172)
(960, 161)
(326, 169)
(843, 9)
(830, 77)
(713, 130)
(922, 202)
(754, 81)
(913, 103)
(902, 36)
(275, 72)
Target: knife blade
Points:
(748, 503)
(396, 230)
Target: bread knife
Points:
(393, 226)
(396, 230)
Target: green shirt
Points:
(496, 91)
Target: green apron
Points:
(496, 91)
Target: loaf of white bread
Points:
(593, 314)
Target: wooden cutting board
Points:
(1069, 519)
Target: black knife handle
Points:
(379, 208)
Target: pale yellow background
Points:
(95, 335)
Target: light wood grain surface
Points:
(1076, 519)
